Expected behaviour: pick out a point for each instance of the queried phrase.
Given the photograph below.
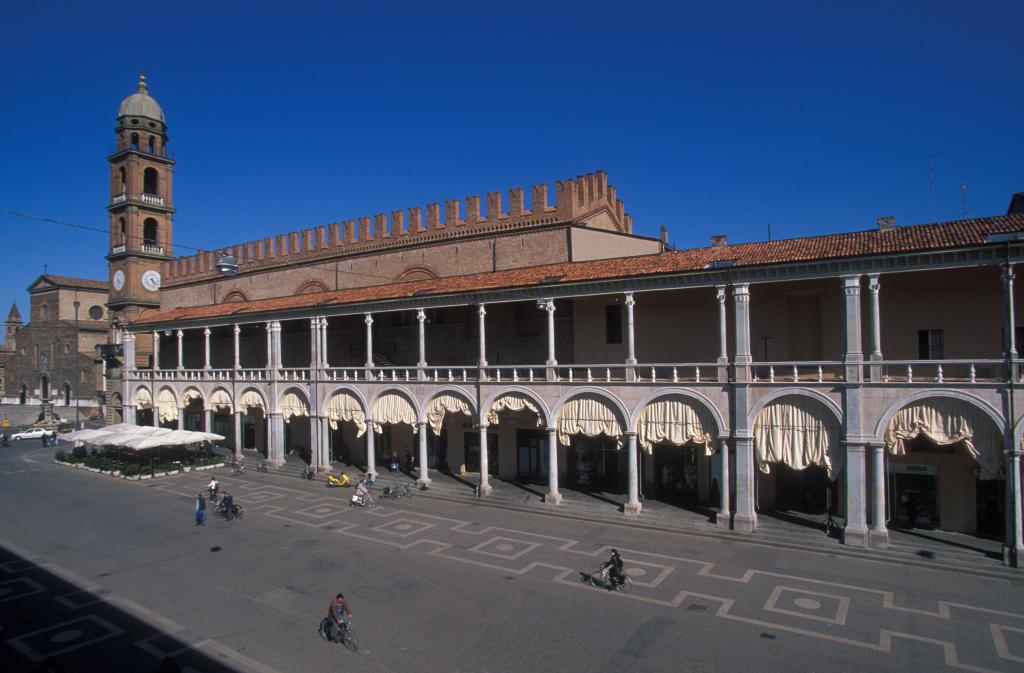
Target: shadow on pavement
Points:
(50, 624)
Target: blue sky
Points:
(716, 117)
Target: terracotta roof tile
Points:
(831, 246)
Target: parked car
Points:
(30, 433)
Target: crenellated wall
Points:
(587, 200)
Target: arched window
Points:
(123, 240)
(151, 144)
(149, 231)
(135, 141)
(124, 180)
(151, 182)
(67, 349)
(44, 312)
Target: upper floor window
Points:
(44, 312)
(930, 344)
(135, 141)
(123, 232)
(124, 179)
(151, 182)
(613, 324)
(151, 144)
(149, 231)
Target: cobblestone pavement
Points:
(445, 586)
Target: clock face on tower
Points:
(118, 280)
(151, 280)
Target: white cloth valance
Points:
(675, 421)
(590, 416)
(948, 421)
(220, 402)
(292, 405)
(143, 400)
(512, 402)
(251, 400)
(798, 432)
(445, 403)
(167, 406)
(345, 407)
(392, 408)
(191, 396)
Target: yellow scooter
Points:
(334, 482)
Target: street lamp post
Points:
(78, 364)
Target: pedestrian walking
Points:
(200, 510)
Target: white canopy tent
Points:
(132, 436)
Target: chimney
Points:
(664, 235)
(719, 241)
(886, 223)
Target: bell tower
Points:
(141, 209)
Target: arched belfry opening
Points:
(150, 230)
(151, 182)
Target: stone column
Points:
(875, 371)
(724, 514)
(485, 477)
(275, 448)
(424, 480)
(276, 344)
(855, 533)
(324, 362)
(181, 418)
(553, 496)
(369, 340)
(314, 345)
(632, 506)
(1013, 546)
(481, 313)
(723, 350)
(237, 331)
(879, 534)
(745, 519)
(270, 345)
(128, 414)
(156, 414)
(853, 357)
(421, 364)
(206, 348)
(371, 458)
(156, 351)
(549, 306)
(181, 349)
(208, 420)
(238, 434)
(630, 338)
(741, 301)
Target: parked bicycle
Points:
(262, 466)
(222, 510)
(237, 468)
(308, 473)
(396, 492)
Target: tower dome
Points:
(141, 104)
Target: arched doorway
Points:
(394, 426)
(193, 411)
(295, 413)
(799, 459)
(254, 422)
(520, 423)
(591, 429)
(944, 468)
(450, 440)
(675, 434)
(346, 419)
(143, 403)
(167, 409)
(116, 409)
(220, 415)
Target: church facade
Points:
(871, 374)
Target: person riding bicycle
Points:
(362, 491)
(340, 615)
(213, 487)
(613, 566)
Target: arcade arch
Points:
(294, 408)
(346, 419)
(591, 427)
(254, 421)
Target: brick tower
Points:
(141, 207)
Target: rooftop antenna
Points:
(963, 200)
(931, 179)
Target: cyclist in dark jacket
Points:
(340, 615)
(614, 566)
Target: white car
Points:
(31, 433)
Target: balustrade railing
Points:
(943, 371)
(818, 371)
(152, 199)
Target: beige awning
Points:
(394, 409)
(588, 415)
(445, 403)
(190, 396)
(675, 421)
(220, 401)
(143, 400)
(167, 406)
(251, 400)
(292, 405)
(512, 402)
(946, 421)
(797, 431)
(344, 407)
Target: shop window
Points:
(930, 344)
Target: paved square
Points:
(505, 548)
(814, 605)
(64, 637)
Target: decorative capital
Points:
(368, 319)
(180, 334)
(630, 302)
(549, 306)
(206, 331)
(238, 329)
(720, 293)
(270, 326)
(421, 315)
(481, 310)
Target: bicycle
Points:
(602, 580)
(347, 638)
(308, 473)
(396, 492)
(237, 468)
(262, 466)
